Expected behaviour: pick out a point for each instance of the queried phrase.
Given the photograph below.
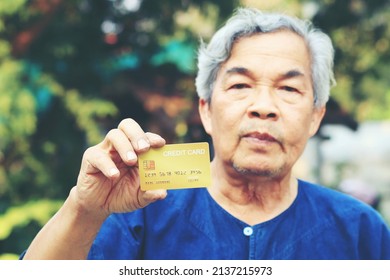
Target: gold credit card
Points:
(175, 166)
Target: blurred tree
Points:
(360, 30)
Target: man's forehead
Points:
(283, 43)
(284, 53)
(267, 37)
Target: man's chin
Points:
(256, 171)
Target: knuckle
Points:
(95, 154)
(125, 122)
(111, 135)
(111, 132)
(89, 152)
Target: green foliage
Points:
(86, 111)
(37, 159)
(9, 7)
(361, 34)
(19, 216)
(9, 257)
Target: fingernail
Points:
(113, 171)
(142, 144)
(131, 156)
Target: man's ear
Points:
(318, 115)
(205, 115)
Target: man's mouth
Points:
(261, 137)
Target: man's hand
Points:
(108, 181)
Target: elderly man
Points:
(263, 83)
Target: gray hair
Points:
(246, 22)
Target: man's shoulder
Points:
(334, 201)
(329, 196)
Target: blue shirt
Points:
(320, 224)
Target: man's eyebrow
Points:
(244, 71)
(292, 74)
(238, 70)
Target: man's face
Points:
(262, 113)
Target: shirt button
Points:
(248, 231)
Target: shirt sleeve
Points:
(119, 238)
(374, 241)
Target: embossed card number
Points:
(175, 166)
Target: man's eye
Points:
(239, 86)
(289, 89)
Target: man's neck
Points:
(252, 199)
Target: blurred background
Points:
(71, 70)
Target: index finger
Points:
(140, 140)
(135, 134)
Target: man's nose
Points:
(263, 105)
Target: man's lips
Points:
(262, 137)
